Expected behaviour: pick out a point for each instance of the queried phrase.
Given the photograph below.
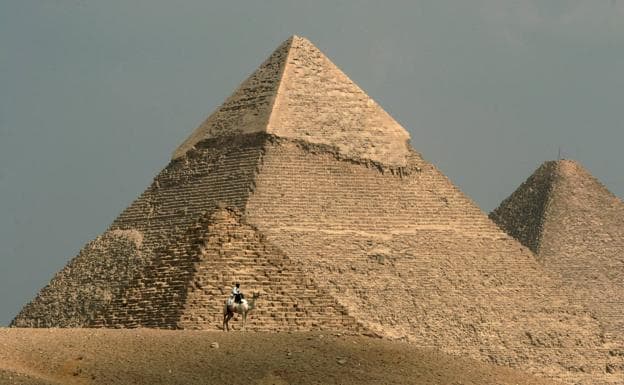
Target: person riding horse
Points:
(237, 294)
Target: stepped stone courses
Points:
(303, 189)
(576, 228)
(79, 292)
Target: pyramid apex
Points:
(561, 167)
(564, 161)
(298, 37)
(549, 171)
(567, 168)
(298, 93)
(569, 164)
(554, 182)
(295, 39)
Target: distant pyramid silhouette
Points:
(576, 227)
(302, 188)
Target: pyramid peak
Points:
(569, 167)
(563, 161)
(295, 38)
(562, 168)
(298, 93)
(558, 183)
(566, 168)
(552, 171)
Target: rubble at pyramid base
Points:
(329, 243)
(333, 234)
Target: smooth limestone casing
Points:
(298, 93)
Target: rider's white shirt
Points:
(230, 301)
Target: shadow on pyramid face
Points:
(575, 225)
(302, 188)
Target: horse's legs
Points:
(225, 313)
(226, 319)
(244, 319)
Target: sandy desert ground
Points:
(146, 356)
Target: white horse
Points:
(243, 308)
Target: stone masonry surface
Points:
(521, 215)
(578, 234)
(408, 254)
(360, 236)
(329, 242)
(231, 251)
(248, 109)
(299, 93)
(318, 103)
(85, 287)
(184, 191)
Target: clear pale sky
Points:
(95, 95)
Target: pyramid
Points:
(576, 228)
(303, 189)
(297, 93)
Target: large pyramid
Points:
(302, 188)
(576, 228)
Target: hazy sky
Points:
(95, 95)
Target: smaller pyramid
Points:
(215, 252)
(575, 226)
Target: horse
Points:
(243, 308)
